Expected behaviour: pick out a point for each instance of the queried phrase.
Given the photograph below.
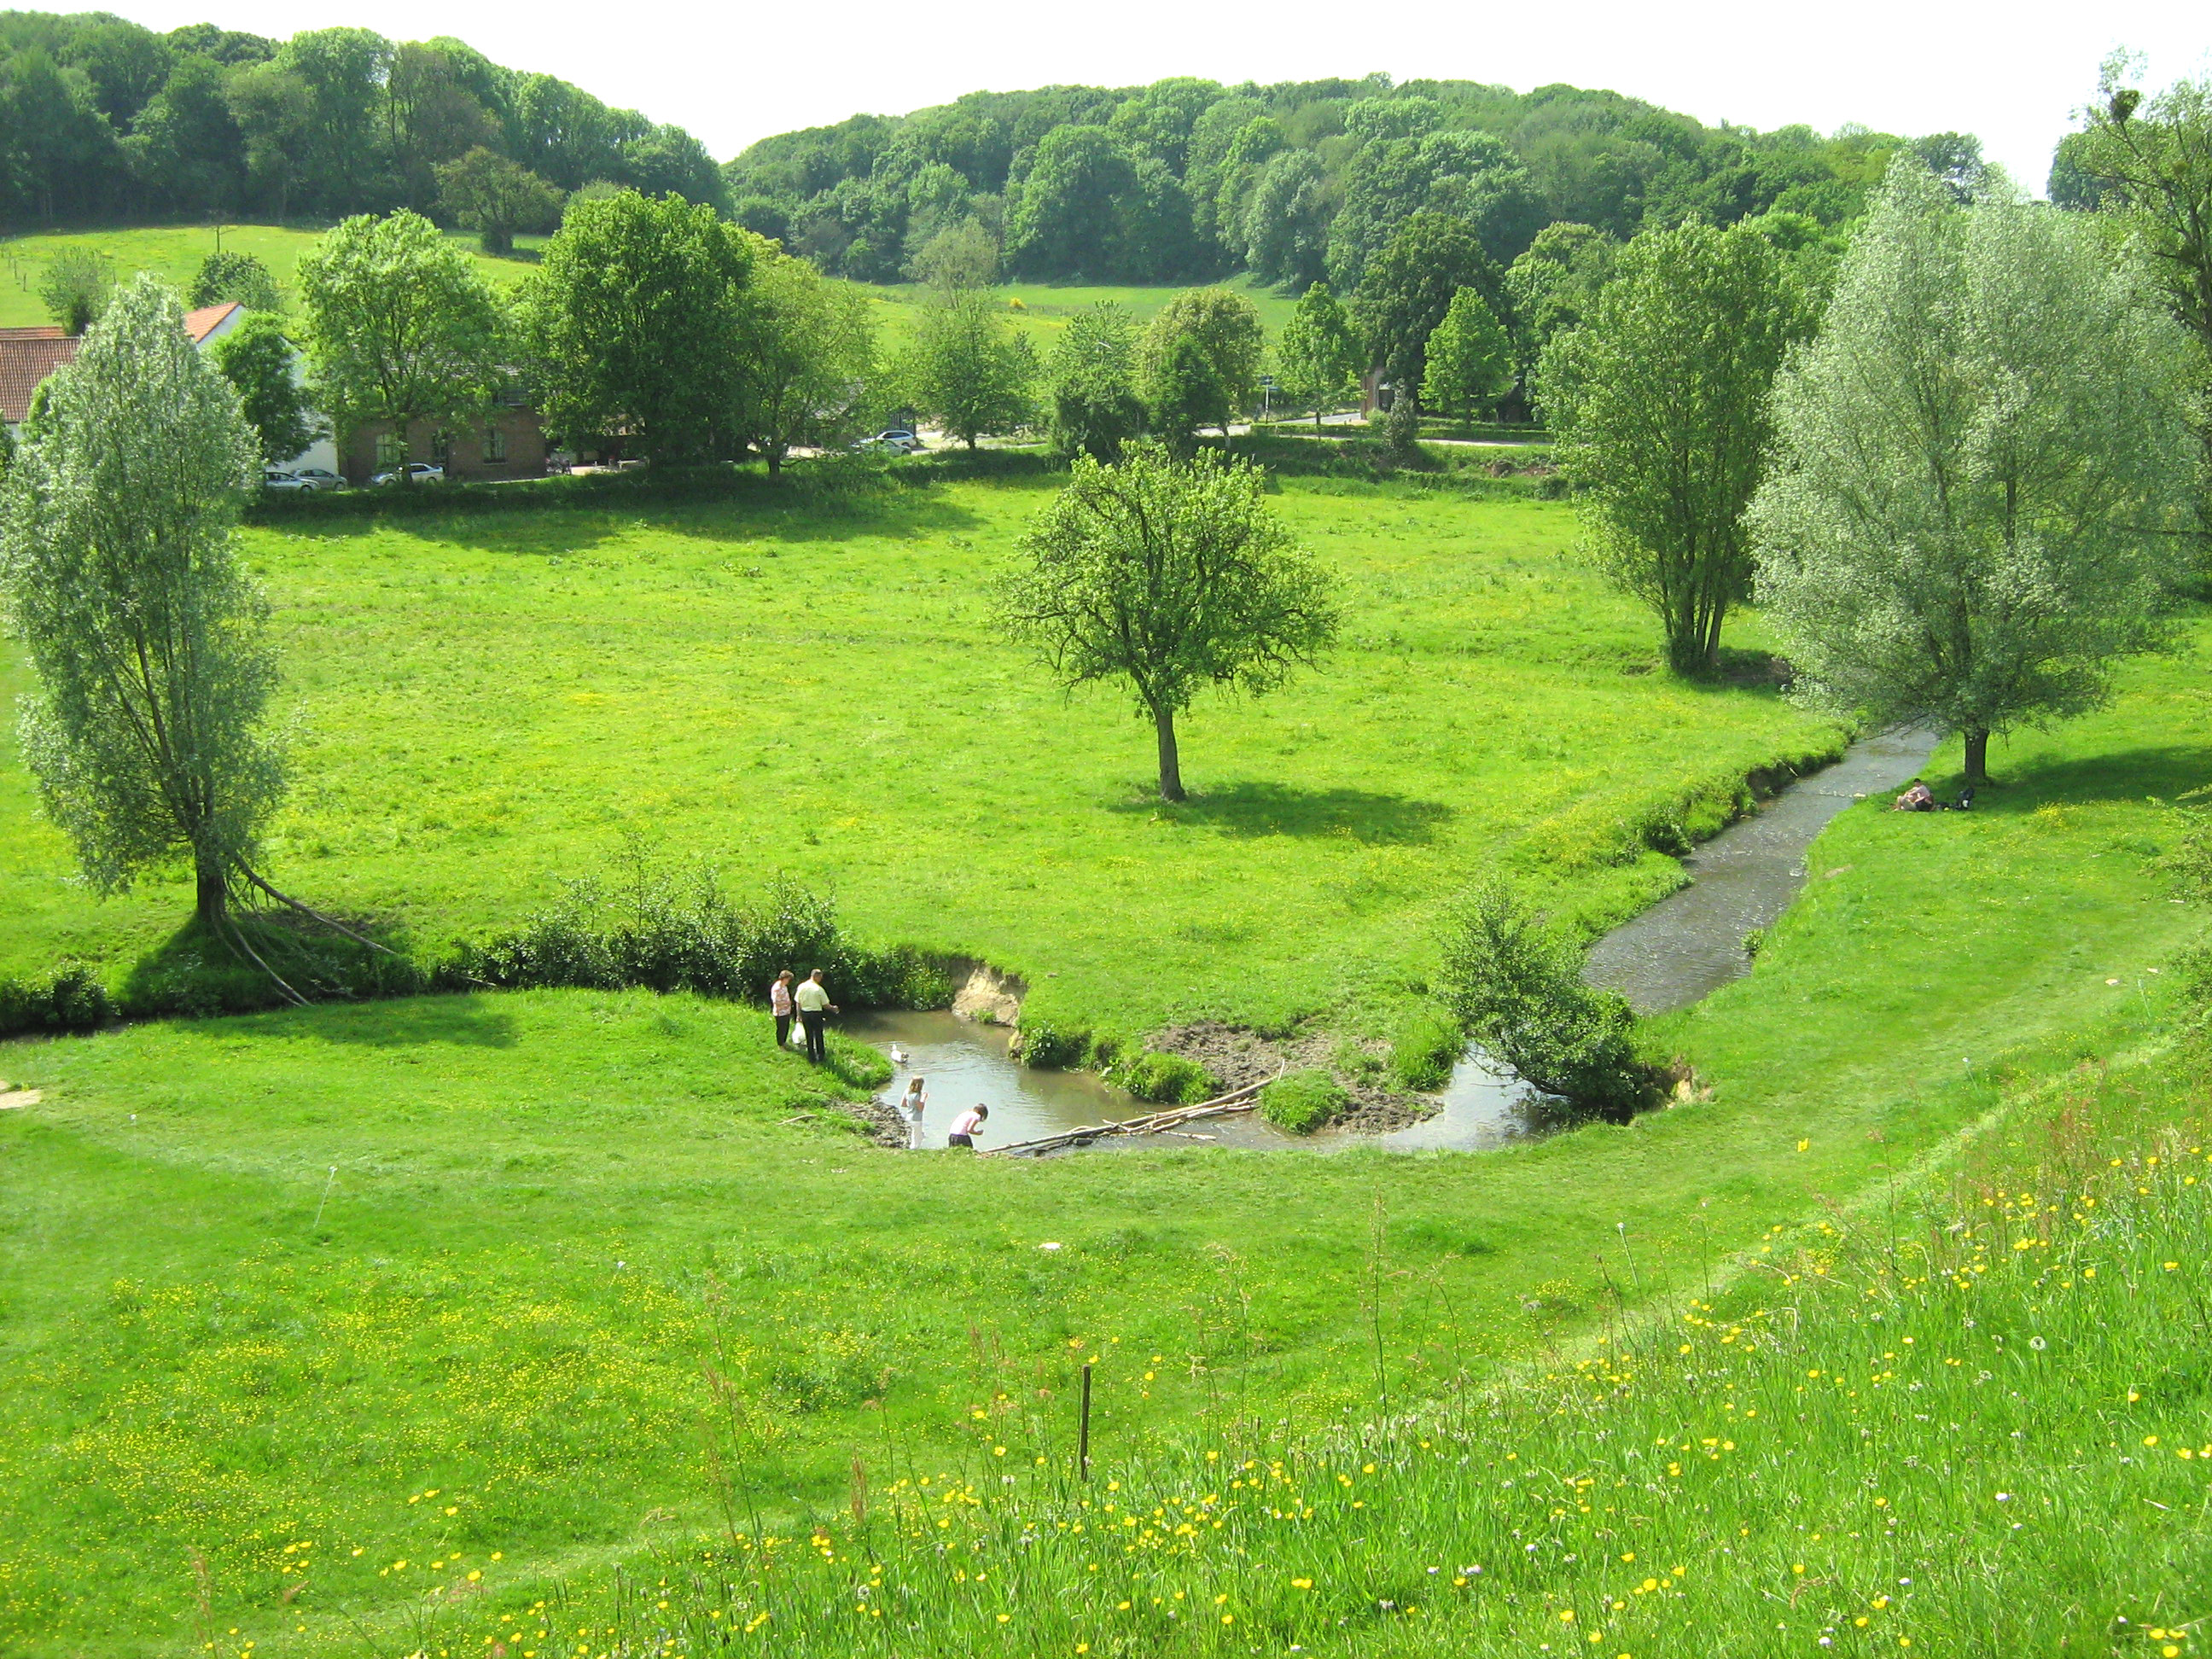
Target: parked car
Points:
(318, 477)
(903, 438)
(275, 477)
(418, 472)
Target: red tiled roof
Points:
(203, 322)
(27, 356)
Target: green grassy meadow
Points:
(488, 705)
(173, 253)
(1038, 311)
(536, 1286)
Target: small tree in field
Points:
(400, 328)
(145, 733)
(1983, 470)
(75, 288)
(1659, 400)
(967, 369)
(1318, 356)
(1470, 360)
(238, 277)
(494, 197)
(1172, 576)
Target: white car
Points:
(417, 472)
(903, 438)
(318, 477)
(275, 477)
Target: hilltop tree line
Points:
(102, 118)
(1189, 180)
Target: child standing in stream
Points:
(966, 1127)
(911, 1106)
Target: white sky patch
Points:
(2013, 72)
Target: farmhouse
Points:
(506, 441)
(27, 356)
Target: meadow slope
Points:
(274, 1284)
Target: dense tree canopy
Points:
(399, 326)
(100, 117)
(637, 327)
(1186, 179)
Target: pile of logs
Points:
(1234, 1102)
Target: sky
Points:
(2012, 73)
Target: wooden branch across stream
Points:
(1237, 1101)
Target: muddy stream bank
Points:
(1684, 947)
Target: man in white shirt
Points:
(814, 1002)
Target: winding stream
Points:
(1684, 947)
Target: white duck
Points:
(898, 1056)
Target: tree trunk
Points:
(1170, 760)
(1977, 758)
(212, 897)
(971, 443)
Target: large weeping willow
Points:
(147, 732)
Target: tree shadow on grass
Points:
(410, 1023)
(2168, 771)
(555, 520)
(1248, 811)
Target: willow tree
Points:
(1660, 402)
(1983, 469)
(1171, 576)
(146, 729)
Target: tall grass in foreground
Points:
(1973, 1421)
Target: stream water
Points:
(1684, 947)
(1692, 942)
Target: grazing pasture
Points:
(522, 1284)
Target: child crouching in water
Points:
(965, 1127)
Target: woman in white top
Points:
(911, 1106)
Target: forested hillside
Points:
(1188, 179)
(101, 119)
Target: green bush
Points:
(660, 933)
(1519, 992)
(1303, 1100)
(1428, 1045)
(1168, 1079)
(72, 1001)
(1054, 1048)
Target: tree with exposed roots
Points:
(145, 732)
(1659, 403)
(1984, 465)
(1172, 576)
